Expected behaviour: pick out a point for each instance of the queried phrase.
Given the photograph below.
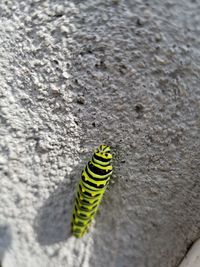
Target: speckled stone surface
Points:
(74, 74)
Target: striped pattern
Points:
(94, 179)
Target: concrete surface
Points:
(74, 74)
(192, 258)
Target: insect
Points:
(93, 183)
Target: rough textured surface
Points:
(74, 74)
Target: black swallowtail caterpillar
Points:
(93, 183)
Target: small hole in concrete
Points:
(139, 108)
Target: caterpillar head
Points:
(103, 151)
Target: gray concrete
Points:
(74, 75)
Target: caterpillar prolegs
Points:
(93, 183)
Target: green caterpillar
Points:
(93, 183)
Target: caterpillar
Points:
(93, 183)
